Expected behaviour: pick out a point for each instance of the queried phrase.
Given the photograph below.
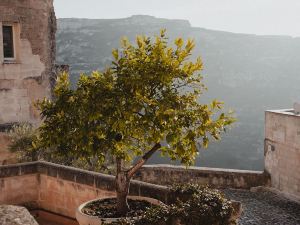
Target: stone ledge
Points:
(84, 177)
(151, 174)
(15, 215)
(284, 112)
(18, 169)
(100, 181)
(203, 169)
(60, 189)
(215, 177)
(76, 175)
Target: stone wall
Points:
(27, 77)
(61, 189)
(282, 151)
(15, 215)
(19, 190)
(52, 189)
(222, 178)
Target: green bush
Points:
(22, 138)
(194, 205)
(205, 206)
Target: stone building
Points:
(27, 56)
(282, 150)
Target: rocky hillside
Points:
(250, 73)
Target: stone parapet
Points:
(46, 187)
(61, 189)
(215, 177)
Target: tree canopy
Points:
(150, 95)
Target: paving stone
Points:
(265, 208)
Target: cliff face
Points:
(250, 73)
(86, 44)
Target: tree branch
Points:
(143, 160)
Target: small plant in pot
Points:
(147, 101)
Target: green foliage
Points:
(183, 192)
(22, 138)
(204, 206)
(150, 94)
(201, 205)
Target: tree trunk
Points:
(122, 189)
(123, 179)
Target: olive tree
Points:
(146, 101)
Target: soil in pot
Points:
(107, 208)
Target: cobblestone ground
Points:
(265, 208)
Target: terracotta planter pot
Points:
(84, 219)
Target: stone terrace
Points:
(265, 208)
(53, 192)
(49, 188)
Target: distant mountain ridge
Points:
(250, 73)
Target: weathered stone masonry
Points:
(30, 74)
(282, 151)
(51, 188)
(28, 77)
(215, 177)
(48, 187)
(60, 189)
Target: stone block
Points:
(9, 171)
(52, 171)
(134, 188)
(85, 178)
(15, 215)
(67, 174)
(105, 182)
(28, 168)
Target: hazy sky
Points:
(242, 16)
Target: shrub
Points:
(206, 208)
(199, 206)
(22, 136)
